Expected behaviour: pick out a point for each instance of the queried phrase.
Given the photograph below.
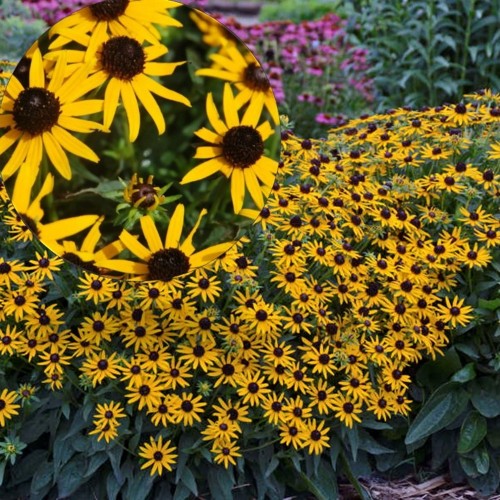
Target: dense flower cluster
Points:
(349, 277)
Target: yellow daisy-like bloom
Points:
(247, 75)
(225, 453)
(455, 312)
(39, 117)
(115, 17)
(236, 149)
(127, 67)
(163, 261)
(7, 406)
(159, 455)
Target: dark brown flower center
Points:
(36, 110)
(122, 57)
(146, 192)
(166, 264)
(108, 9)
(255, 78)
(242, 146)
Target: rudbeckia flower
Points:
(165, 260)
(247, 75)
(236, 149)
(40, 116)
(126, 67)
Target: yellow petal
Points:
(208, 136)
(93, 236)
(208, 254)
(18, 157)
(66, 227)
(73, 145)
(160, 68)
(266, 169)
(230, 112)
(37, 73)
(187, 247)
(132, 109)
(59, 71)
(124, 266)
(265, 130)
(237, 189)
(254, 110)
(80, 108)
(110, 250)
(253, 187)
(22, 189)
(111, 101)
(218, 73)
(14, 87)
(204, 152)
(150, 105)
(56, 155)
(156, 88)
(175, 225)
(213, 116)
(151, 234)
(202, 171)
(138, 249)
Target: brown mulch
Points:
(437, 488)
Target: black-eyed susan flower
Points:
(126, 67)
(225, 453)
(40, 116)
(159, 455)
(347, 409)
(7, 406)
(236, 149)
(189, 409)
(163, 261)
(455, 312)
(99, 366)
(163, 413)
(146, 394)
(315, 436)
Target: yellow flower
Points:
(130, 77)
(163, 261)
(7, 406)
(39, 117)
(236, 149)
(159, 455)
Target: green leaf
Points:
(139, 485)
(442, 408)
(71, 478)
(433, 375)
(220, 482)
(485, 396)
(189, 481)
(467, 373)
(481, 458)
(472, 432)
(41, 477)
(490, 305)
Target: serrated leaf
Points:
(442, 408)
(472, 432)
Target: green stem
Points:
(470, 13)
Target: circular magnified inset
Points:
(139, 139)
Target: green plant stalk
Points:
(465, 54)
